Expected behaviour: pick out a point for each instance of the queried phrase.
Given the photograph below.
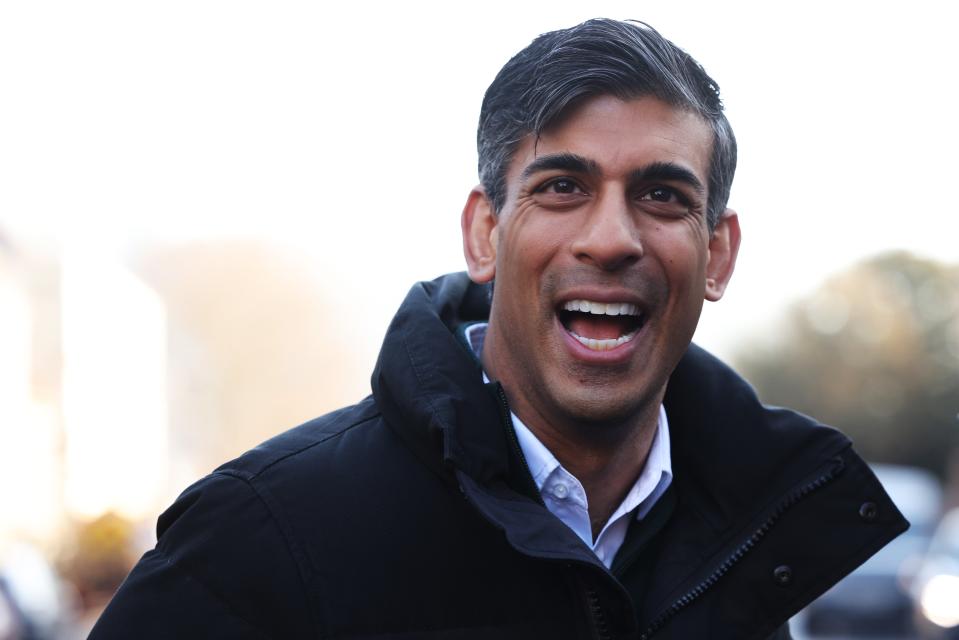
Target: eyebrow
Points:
(563, 162)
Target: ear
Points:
(479, 224)
(723, 249)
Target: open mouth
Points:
(601, 326)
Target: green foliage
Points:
(875, 352)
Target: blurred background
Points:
(210, 210)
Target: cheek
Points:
(684, 261)
(529, 244)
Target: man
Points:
(546, 456)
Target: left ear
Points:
(723, 249)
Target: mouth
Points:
(601, 326)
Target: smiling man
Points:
(545, 454)
(603, 253)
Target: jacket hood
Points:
(430, 387)
(430, 390)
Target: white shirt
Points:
(563, 493)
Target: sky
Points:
(347, 135)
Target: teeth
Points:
(605, 345)
(602, 308)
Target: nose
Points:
(609, 237)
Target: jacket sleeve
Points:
(223, 567)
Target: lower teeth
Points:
(604, 345)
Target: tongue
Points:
(598, 327)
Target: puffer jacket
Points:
(412, 515)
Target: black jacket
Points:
(412, 515)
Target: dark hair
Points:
(598, 57)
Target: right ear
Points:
(479, 224)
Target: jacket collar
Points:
(734, 451)
(430, 388)
(727, 447)
(737, 464)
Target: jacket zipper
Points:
(514, 442)
(596, 614)
(736, 556)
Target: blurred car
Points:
(12, 623)
(32, 602)
(874, 601)
(935, 588)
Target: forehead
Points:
(620, 136)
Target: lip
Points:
(615, 356)
(604, 294)
(580, 352)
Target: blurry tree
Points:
(254, 348)
(98, 558)
(875, 352)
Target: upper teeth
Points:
(609, 309)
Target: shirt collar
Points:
(652, 482)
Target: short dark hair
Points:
(561, 68)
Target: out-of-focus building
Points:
(255, 348)
(81, 391)
(31, 488)
(126, 377)
(114, 387)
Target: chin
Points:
(598, 406)
(624, 394)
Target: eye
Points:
(666, 202)
(563, 186)
(661, 194)
(560, 193)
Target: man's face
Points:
(602, 258)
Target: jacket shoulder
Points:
(233, 551)
(310, 439)
(223, 563)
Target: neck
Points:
(606, 456)
(607, 467)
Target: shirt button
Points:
(560, 491)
